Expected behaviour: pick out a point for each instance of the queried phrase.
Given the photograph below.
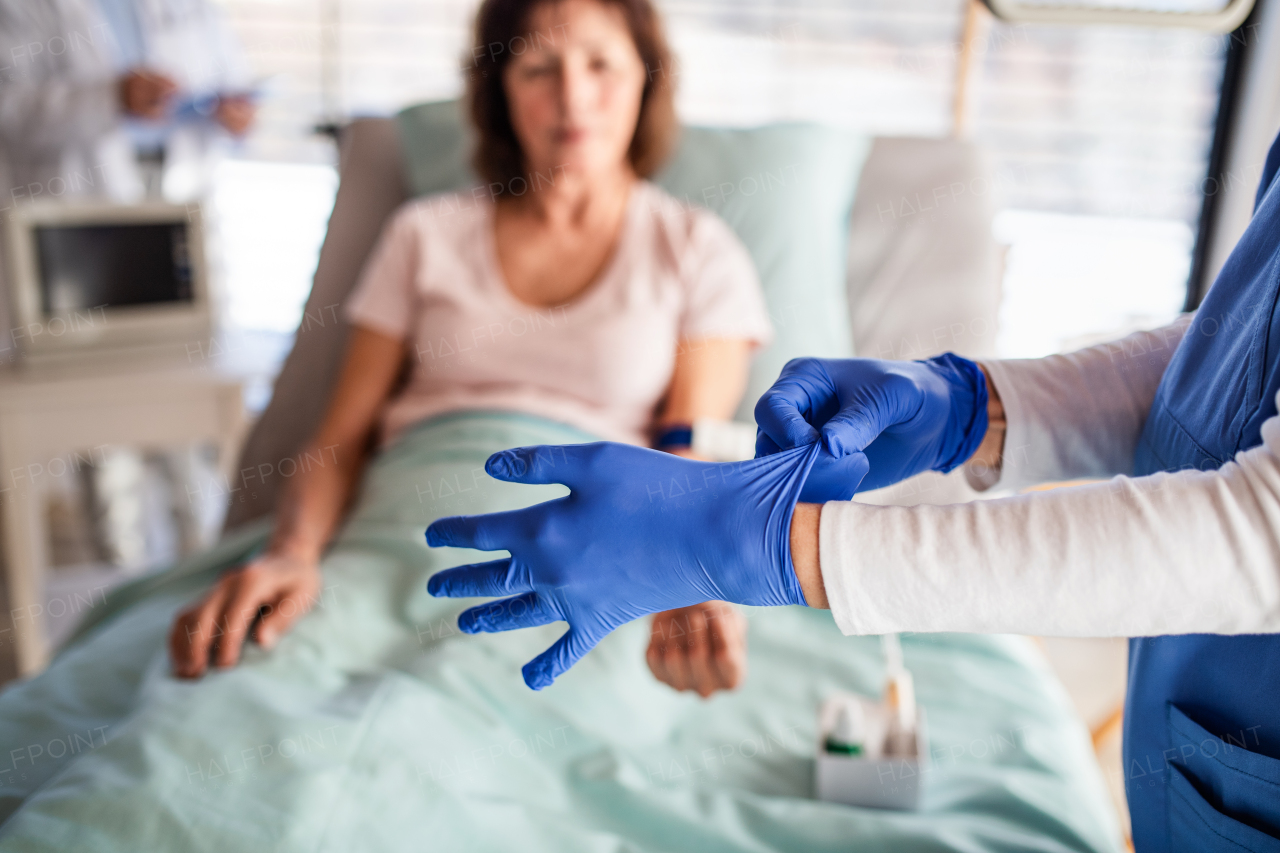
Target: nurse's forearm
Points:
(1078, 415)
(1188, 552)
(983, 468)
(804, 554)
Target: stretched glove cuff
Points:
(968, 417)
(763, 505)
(780, 516)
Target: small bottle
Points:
(849, 735)
(900, 697)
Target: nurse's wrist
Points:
(804, 554)
(983, 469)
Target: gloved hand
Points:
(640, 532)
(906, 416)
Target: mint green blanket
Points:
(376, 726)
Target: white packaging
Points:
(873, 779)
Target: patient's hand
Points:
(278, 588)
(702, 648)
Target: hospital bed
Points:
(375, 725)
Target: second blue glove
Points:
(906, 416)
(640, 532)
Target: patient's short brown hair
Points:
(501, 31)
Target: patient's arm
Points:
(708, 381)
(703, 647)
(283, 582)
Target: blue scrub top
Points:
(1202, 720)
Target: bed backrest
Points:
(921, 259)
(923, 270)
(372, 185)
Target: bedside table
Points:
(53, 417)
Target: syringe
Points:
(900, 698)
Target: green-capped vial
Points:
(849, 733)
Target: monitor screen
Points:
(92, 266)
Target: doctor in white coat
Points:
(87, 86)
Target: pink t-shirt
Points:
(601, 362)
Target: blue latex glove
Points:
(906, 416)
(640, 532)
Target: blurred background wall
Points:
(1099, 136)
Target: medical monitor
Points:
(92, 277)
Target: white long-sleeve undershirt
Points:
(1188, 552)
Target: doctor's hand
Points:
(640, 532)
(906, 416)
(146, 94)
(702, 647)
(265, 596)
(236, 113)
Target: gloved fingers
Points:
(555, 661)
(855, 426)
(490, 532)
(780, 414)
(765, 446)
(507, 614)
(537, 464)
(779, 466)
(832, 479)
(481, 580)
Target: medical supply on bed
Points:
(848, 737)
(891, 648)
(872, 777)
(872, 754)
(899, 700)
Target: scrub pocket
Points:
(1221, 796)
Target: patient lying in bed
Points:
(569, 289)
